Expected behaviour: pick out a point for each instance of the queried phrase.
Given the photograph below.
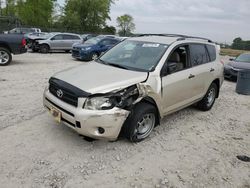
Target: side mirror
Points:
(172, 67)
(168, 68)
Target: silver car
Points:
(136, 83)
(58, 41)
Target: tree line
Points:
(240, 44)
(76, 15)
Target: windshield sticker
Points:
(147, 45)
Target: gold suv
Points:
(131, 87)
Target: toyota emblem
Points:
(59, 93)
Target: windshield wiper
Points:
(111, 64)
(117, 65)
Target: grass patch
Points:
(231, 52)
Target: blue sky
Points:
(220, 20)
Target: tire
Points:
(94, 56)
(140, 122)
(5, 56)
(208, 100)
(44, 48)
(67, 51)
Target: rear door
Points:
(69, 40)
(202, 68)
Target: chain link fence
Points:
(8, 22)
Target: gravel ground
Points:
(189, 149)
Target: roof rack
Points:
(182, 37)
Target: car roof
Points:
(155, 39)
(170, 38)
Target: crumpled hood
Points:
(93, 77)
(239, 65)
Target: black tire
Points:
(34, 50)
(208, 101)
(5, 56)
(131, 126)
(67, 51)
(44, 48)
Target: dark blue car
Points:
(93, 48)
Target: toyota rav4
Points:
(131, 87)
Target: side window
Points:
(177, 61)
(212, 52)
(58, 37)
(68, 37)
(106, 42)
(198, 54)
(113, 42)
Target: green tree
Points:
(109, 30)
(37, 13)
(86, 15)
(126, 25)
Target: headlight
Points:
(120, 99)
(86, 49)
(98, 103)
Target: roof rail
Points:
(182, 37)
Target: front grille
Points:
(65, 91)
(75, 53)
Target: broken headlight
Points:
(98, 103)
(121, 99)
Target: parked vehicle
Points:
(136, 83)
(32, 37)
(57, 41)
(93, 48)
(11, 44)
(22, 30)
(86, 37)
(241, 62)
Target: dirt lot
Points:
(190, 148)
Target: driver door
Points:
(178, 81)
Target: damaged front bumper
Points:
(99, 124)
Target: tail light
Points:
(23, 42)
(222, 62)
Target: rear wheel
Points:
(44, 48)
(208, 100)
(5, 56)
(140, 123)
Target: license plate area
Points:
(56, 114)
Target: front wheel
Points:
(208, 100)
(94, 56)
(44, 48)
(5, 57)
(140, 122)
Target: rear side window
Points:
(212, 52)
(198, 54)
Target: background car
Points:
(11, 44)
(22, 30)
(93, 47)
(58, 41)
(240, 62)
(86, 37)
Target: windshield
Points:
(135, 55)
(94, 40)
(243, 58)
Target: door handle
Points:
(212, 70)
(191, 76)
